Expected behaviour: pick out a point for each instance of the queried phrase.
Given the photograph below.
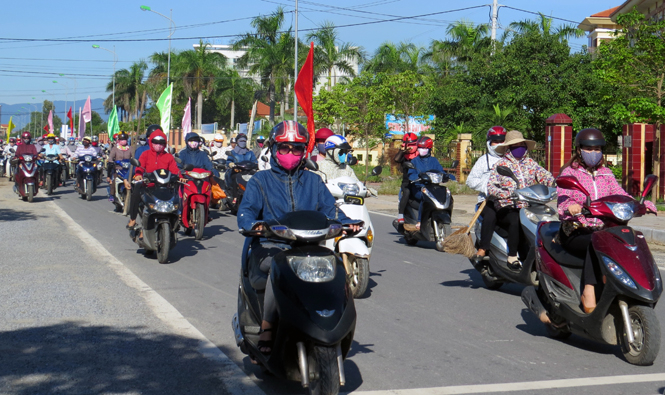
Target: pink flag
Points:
(87, 111)
(50, 121)
(187, 118)
(81, 125)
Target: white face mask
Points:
(218, 144)
(423, 151)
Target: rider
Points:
(477, 179)
(406, 154)
(27, 148)
(320, 140)
(424, 162)
(233, 143)
(218, 147)
(121, 151)
(285, 188)
(501, 188)
(51, 148)
(193, 154)
(586, 165)
(334, 164)
(241, 153)
(145, 147)
(258, 147)
(85, 149)
(6, 150)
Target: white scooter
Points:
(357, 249)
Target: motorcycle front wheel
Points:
(359, 276)
(49, 185)
(163, 242)
(200, 221)
(646, 331)
(327, 383)
(88, 191)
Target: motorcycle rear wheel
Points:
(200, 221)
(88, 192)
(328, 380)
(360, 276)
(163, 242)
(646, 330)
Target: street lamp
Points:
(168, 67)
(66, 96)
(75, 86)
(115, 60)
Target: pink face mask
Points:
(122, 143)
(288, 161)
(158, 147)
(193, 144)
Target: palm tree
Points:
(543, 27)
(231, 87)
(329, 54)
(129, 90)
(466, 40)
(395, 58)
(198, 69)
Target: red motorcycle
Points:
(196, 195)
(27, 165)
(631, 283)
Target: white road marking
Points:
(384, 214)
(235, 380)
(523, 386)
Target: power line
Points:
(551, 17)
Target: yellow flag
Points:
(10, 127)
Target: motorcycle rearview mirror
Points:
(43, 150)
(570, 182)
(506, 172)
(188, 167)
(311, 165)
(172, 150)
(229, 152)
(178, 160)
(409, 165)
(649, 182)
(135, 162)
(213, 153)
(264, 158)
(454, 164)
(352, 160)
(12, 150)
(377, 170)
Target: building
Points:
(600, 27)
(650, 8)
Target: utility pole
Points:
(295, 71)
(495, 17)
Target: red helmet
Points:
(409, 138)
(496, 133)
(323, 134)
(45, 136)
(289, 132)
(12, 140)
(425, 142)
(115, 136)
(26, 135)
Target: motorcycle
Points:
(64, 172)
(158, 212)
(240, 175)
(50, 170)
(317, 314)
(494, 269)
(121, 197)
(355, 250)
(196, 195)
(631, 286)
(220, 166)
(88, 166)
(437, 209)
(10, 164)
(28, 166)
(2, 163)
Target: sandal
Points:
(265, 346)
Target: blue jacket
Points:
(237, 158)
(272, 193)
(428, 163)
(198, 158)
(139, 150)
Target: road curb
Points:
(652, 235)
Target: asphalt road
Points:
(428, 322)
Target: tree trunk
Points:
(366, 155)
(271, 95)
(282, 112)
(250, 127)
(199, 109)
(233, 114)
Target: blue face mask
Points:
(342, 158)
(591, 159)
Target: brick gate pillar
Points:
(637, 155)
(558, 142)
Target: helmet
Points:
(151, 129)
(26, 135)
(57, 139)
(590, 137)
(12, 140)
(115, 137)
(425, 142)
(50, 136)
(336, 142)
(87, 138)
(142, 137)
(496, 133)
(323, 134)
(289, 132)
(219, 137)
(233, 140)
(191, 136)
(71, 139)
(260, 139)
(95, 139)
(123, 136)
(409, 138)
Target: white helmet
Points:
(337, 148)
(219, 137)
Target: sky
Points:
(29, 67)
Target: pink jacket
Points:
(599, 185)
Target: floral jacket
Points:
(599, 184)
(527, 171)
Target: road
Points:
(428, 322)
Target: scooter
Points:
(240, 175)
(158, 212)
(196, 195)
(88, 166)
(2, 163)
(494, 270)
(28, 166)
(355, 250)
(50, 171)
(437, 209)
(631, 286)
(64, 172)
(317, 316)
(10, 164)
(121, 197)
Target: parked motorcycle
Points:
(494, 270)
(437, 209)
(27, 164)
(87, 165)
(317, 314)
(158, 212)
(631, 286)
(50, 172)
(355, 250)
(241, 173)
(121, 195)
(196, 195)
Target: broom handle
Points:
(475, 217)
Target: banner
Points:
(50, 121)
(10, 127)
(87, 111)
(71, 120)
(304, 87)
(81, 125)
(113, 126)
(164, 106)
(420, 124)
(187, 118)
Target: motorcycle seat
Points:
(548, 235)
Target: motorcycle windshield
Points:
(162, 193)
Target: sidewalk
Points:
(77, 321)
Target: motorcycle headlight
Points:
(313, 269)
(618, 272)
(436, 178)
(164, 207)
(550, 215)
(349, 189)
(88, 158)
(623, 211)
(199, 176)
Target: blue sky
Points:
(86, 67)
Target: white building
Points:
(599, 27)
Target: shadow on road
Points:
(16, 215)
(74, 358)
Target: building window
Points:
(370, 157)
(360, 157)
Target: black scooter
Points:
(87, 165)
(50, 173)
(317, 316)
(240, 175)
(437, 209)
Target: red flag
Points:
(71, 120)
(46, 128)
(304, 87)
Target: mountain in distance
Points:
(21, 114)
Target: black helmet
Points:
(590, 138)
(123, 136)
(95, 139)
(142, 137)
(151, 129)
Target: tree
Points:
(329, 54)
(48, 106)
(466, 41)
(391, 58)
(130, 92)
(234, 88)
(329, 107)
(407, 92)
(543, 27)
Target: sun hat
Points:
(514, 137)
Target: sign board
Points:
(419, 124)
(209, 128)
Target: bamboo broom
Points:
(460, 241)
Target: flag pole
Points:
(295, 69)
